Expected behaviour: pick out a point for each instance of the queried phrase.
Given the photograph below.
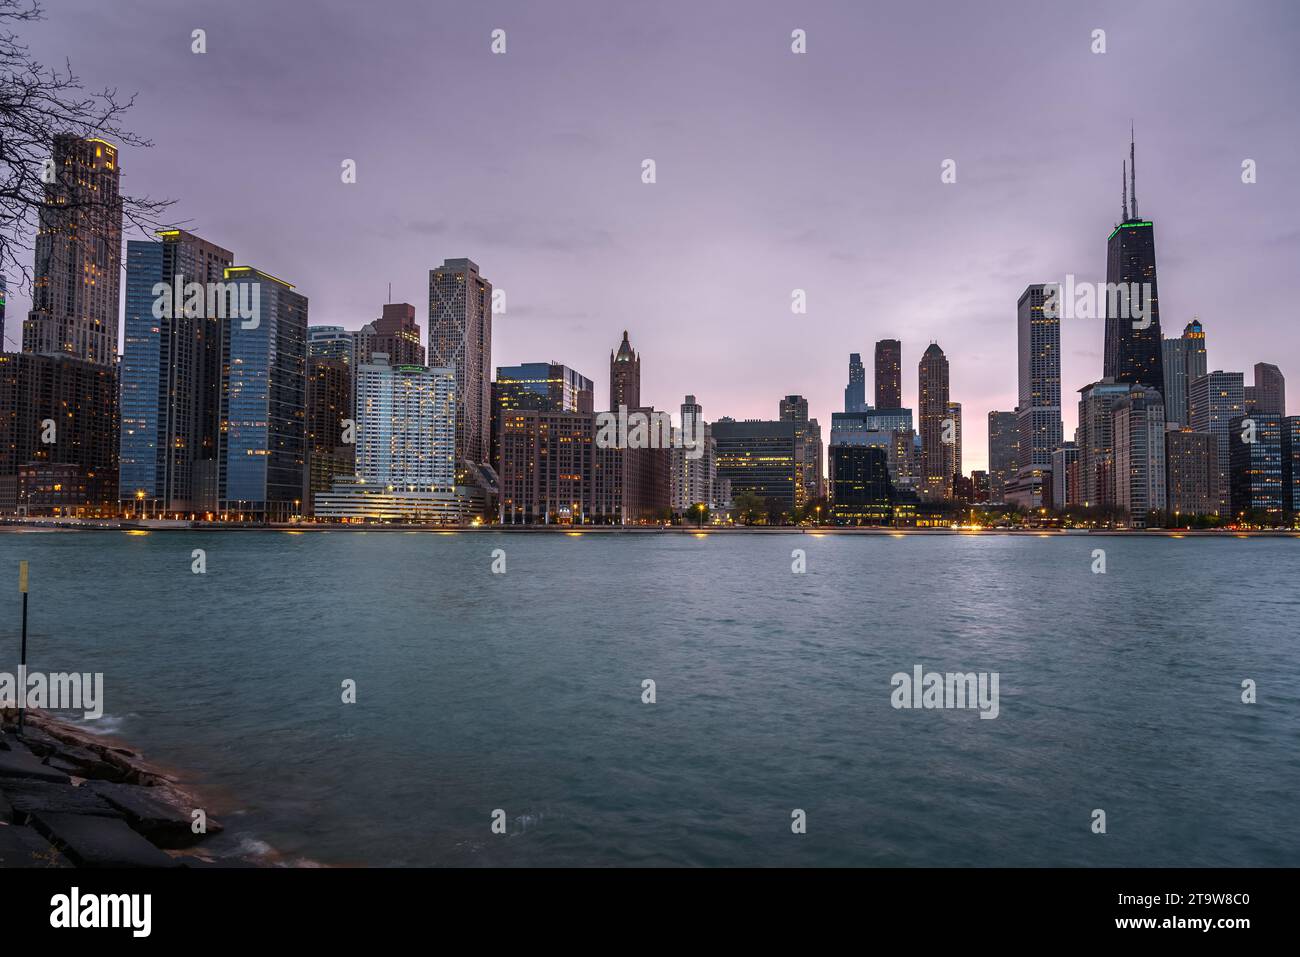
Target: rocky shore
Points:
(71, 799)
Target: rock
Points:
(24, 847)
(157, 813)
(18, 762)
(91, 841)
(31, 797)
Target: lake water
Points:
(523, 691)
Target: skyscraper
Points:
(460, 337)
(262, 445)
(78, 255)
(861, 492)
(1197, 357)
(954, 416)
(936, 455)
(759, 457)
(1096, 442)
(405, 449)
(889, 374)
(1139, 433)
(406, 430)
(1191, 472)
(624, 377)
(1133, 350)
(1038, 337)
(4, 294)
(394, 333)
(171, 373)
(1184, 360)
(855, 393)
(694, 477)
(1004, 452)
(329, 406)
(1213, 401)
(1270, 389)
(1256, 466)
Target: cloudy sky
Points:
(775, 172)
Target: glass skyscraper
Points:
(263, 401)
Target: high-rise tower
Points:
(936, 456)
(460, 337)
(78, 255)
(889, 374)
(1133, 352)
(624, 377)
(855, 393)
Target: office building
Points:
(262, 449)
(1256, 467)
(1133, 342)
(1191, 470)
(1213, 401)
(861, 493)
(171, 373)
(936, 455)
(1269, 391)
(460, 338)
(1096, 443)
(58, 435)
(1004, 452)
(1139, 438)
(855, 393)
(759, 457)
(889, 374)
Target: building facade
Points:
(855, 393)
(262, 448)
(1213, 401)
(77, 273)
(460, 338)
(58, 435)
(171, 374)
(1191, 471)
(936, 455)
(889, 374)
(1139, 436)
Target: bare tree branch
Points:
(38, 105)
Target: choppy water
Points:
(523, 692)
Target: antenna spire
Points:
(1123, 189)
(1132, 170)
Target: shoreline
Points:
(74, 798)
(36, 526)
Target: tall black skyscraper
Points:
(1133, 351)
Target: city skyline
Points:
(563, 224)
